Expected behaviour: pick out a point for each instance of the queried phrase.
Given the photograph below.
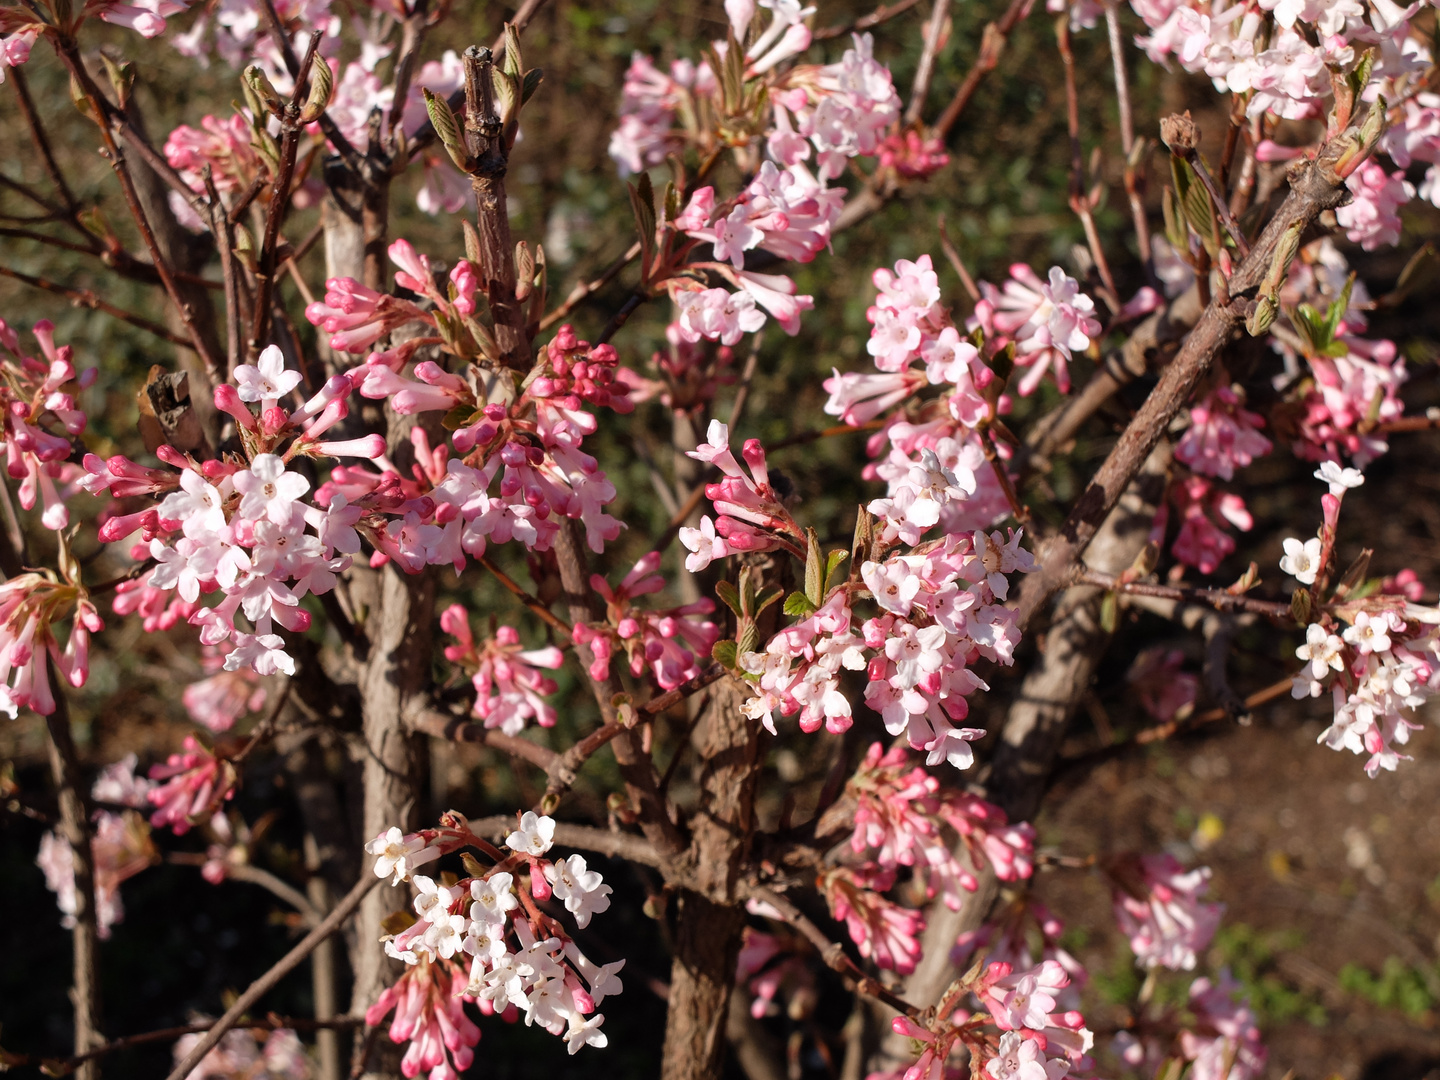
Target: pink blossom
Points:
(1158, 907)
(1371, 219)
(1222, 436)
(195, 783)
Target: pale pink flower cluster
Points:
(517, 957)
(1348, 396)
(782, 211)
(1026, 1002)
(1371, 218)
(1379, 670)
(750, 516)
(245, 531)
(1008, 939)
(673, 643)
(649, 102)
(767, 968)
(38, 395)
(1158, 907)
(195, 784)
(241, 34)
(1224, 1033)
(240, 1056)
(940, 612)
(222, 145)
(1417, 138)
(120, 847)
(905, 818)
(1223, 435)
(220, 699)
(841, 110)
(1047, 320)
(509, 688)
(935, 468)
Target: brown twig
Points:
(69, 53)
(992, 44)
(75, 831)
(832, 952)
(952, 255)
(87, 299)
(220, 226)
(589, 288)
(279, 201)
(1079, 200)
(881, 14)
(564, 770)
(261, 986)
(547, 616)
(1218, 599)
(60, 1066)
(41, 140)
(925, 70)
(1127, 137)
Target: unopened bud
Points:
(1262, 318)
(446, 127)
(322, 85)
(259, 82)
(1374, 124)
(514, 65)
(524, 270)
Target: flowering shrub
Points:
(420, 439)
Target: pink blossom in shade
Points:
(1224, 1032)
(222, 145)
(428, 1002)
(508, 685)
(120, 848)
(648, 104)
(1371, 218)
(1164, 689)
(357, 316)
(1202, 541)
(240, 1056)
(913, 156)
(145, 17)
(882, 930)
(190, 787)
(1405, 583)
(1222, 436)
(118, 785)
(671, 642)
(1158, 907)
(221, 698)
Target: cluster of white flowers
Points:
(516, 957)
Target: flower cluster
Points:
(196, 784)
(936, 466)
(1158, 907)
(1037, 1039)
(905, 819)
(38, 397)
(508, 687)
(240, 1056)
(672, 643)
(1047, 320)
(518, 958)
(120, 847)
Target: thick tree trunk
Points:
(709, 920)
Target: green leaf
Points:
(729, 596)
(457, 417)
(814, 569)
(832, 563)
(530, 84)
(642, 202)
(724, 653)
(798, 604)
(767, 596)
